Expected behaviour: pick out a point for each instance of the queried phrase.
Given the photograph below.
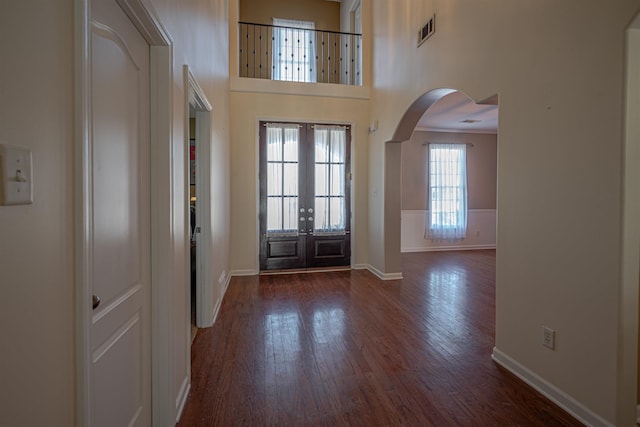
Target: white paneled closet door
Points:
(118, 234)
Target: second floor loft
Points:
(301, 41)
(295, 51)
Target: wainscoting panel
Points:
(481, 232)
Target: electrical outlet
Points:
(548, 338)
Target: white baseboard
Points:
(225, 285)
(550, 391)
(216, 310)
(181, 399)
(380, 274)
(243, 273)
(448, 248)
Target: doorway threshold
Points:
(304, 270)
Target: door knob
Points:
(96, 301)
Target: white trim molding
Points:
(481, 232)
(372, 269)
(197, 99)
(224, 284)
(162, 262)
(550, 391)
(216, 310)
(146, 20)
(379, 274)
(247, 272)
(181, 399)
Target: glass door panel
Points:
(282, 178)
(330, 177)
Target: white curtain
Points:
(294, 50)
(330, 163)
(447, 211)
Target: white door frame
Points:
(196, 98)
(145, 19)
(627, 408)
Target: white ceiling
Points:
(456, 112)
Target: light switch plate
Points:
(16, 186)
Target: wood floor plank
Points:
(344, 348)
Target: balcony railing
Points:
(299, 55)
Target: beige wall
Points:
(559, 170)
(37, 369)
(246, 110)
(325, 14)
(481, 168)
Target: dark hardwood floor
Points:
(344, 348)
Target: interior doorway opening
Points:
(432, 204)
(193, 230)
(392, 179)
(198, 221)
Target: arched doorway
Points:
(393, 159)
(457, 125)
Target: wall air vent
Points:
(427, 30)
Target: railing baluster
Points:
(247, 50)
(324, 55)
(260, 62)
(304, 55)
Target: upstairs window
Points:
(294, 50)
(447, 192)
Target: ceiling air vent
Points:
(427, 30)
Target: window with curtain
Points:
(330, 155)
(447, 210)
(294, 50)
